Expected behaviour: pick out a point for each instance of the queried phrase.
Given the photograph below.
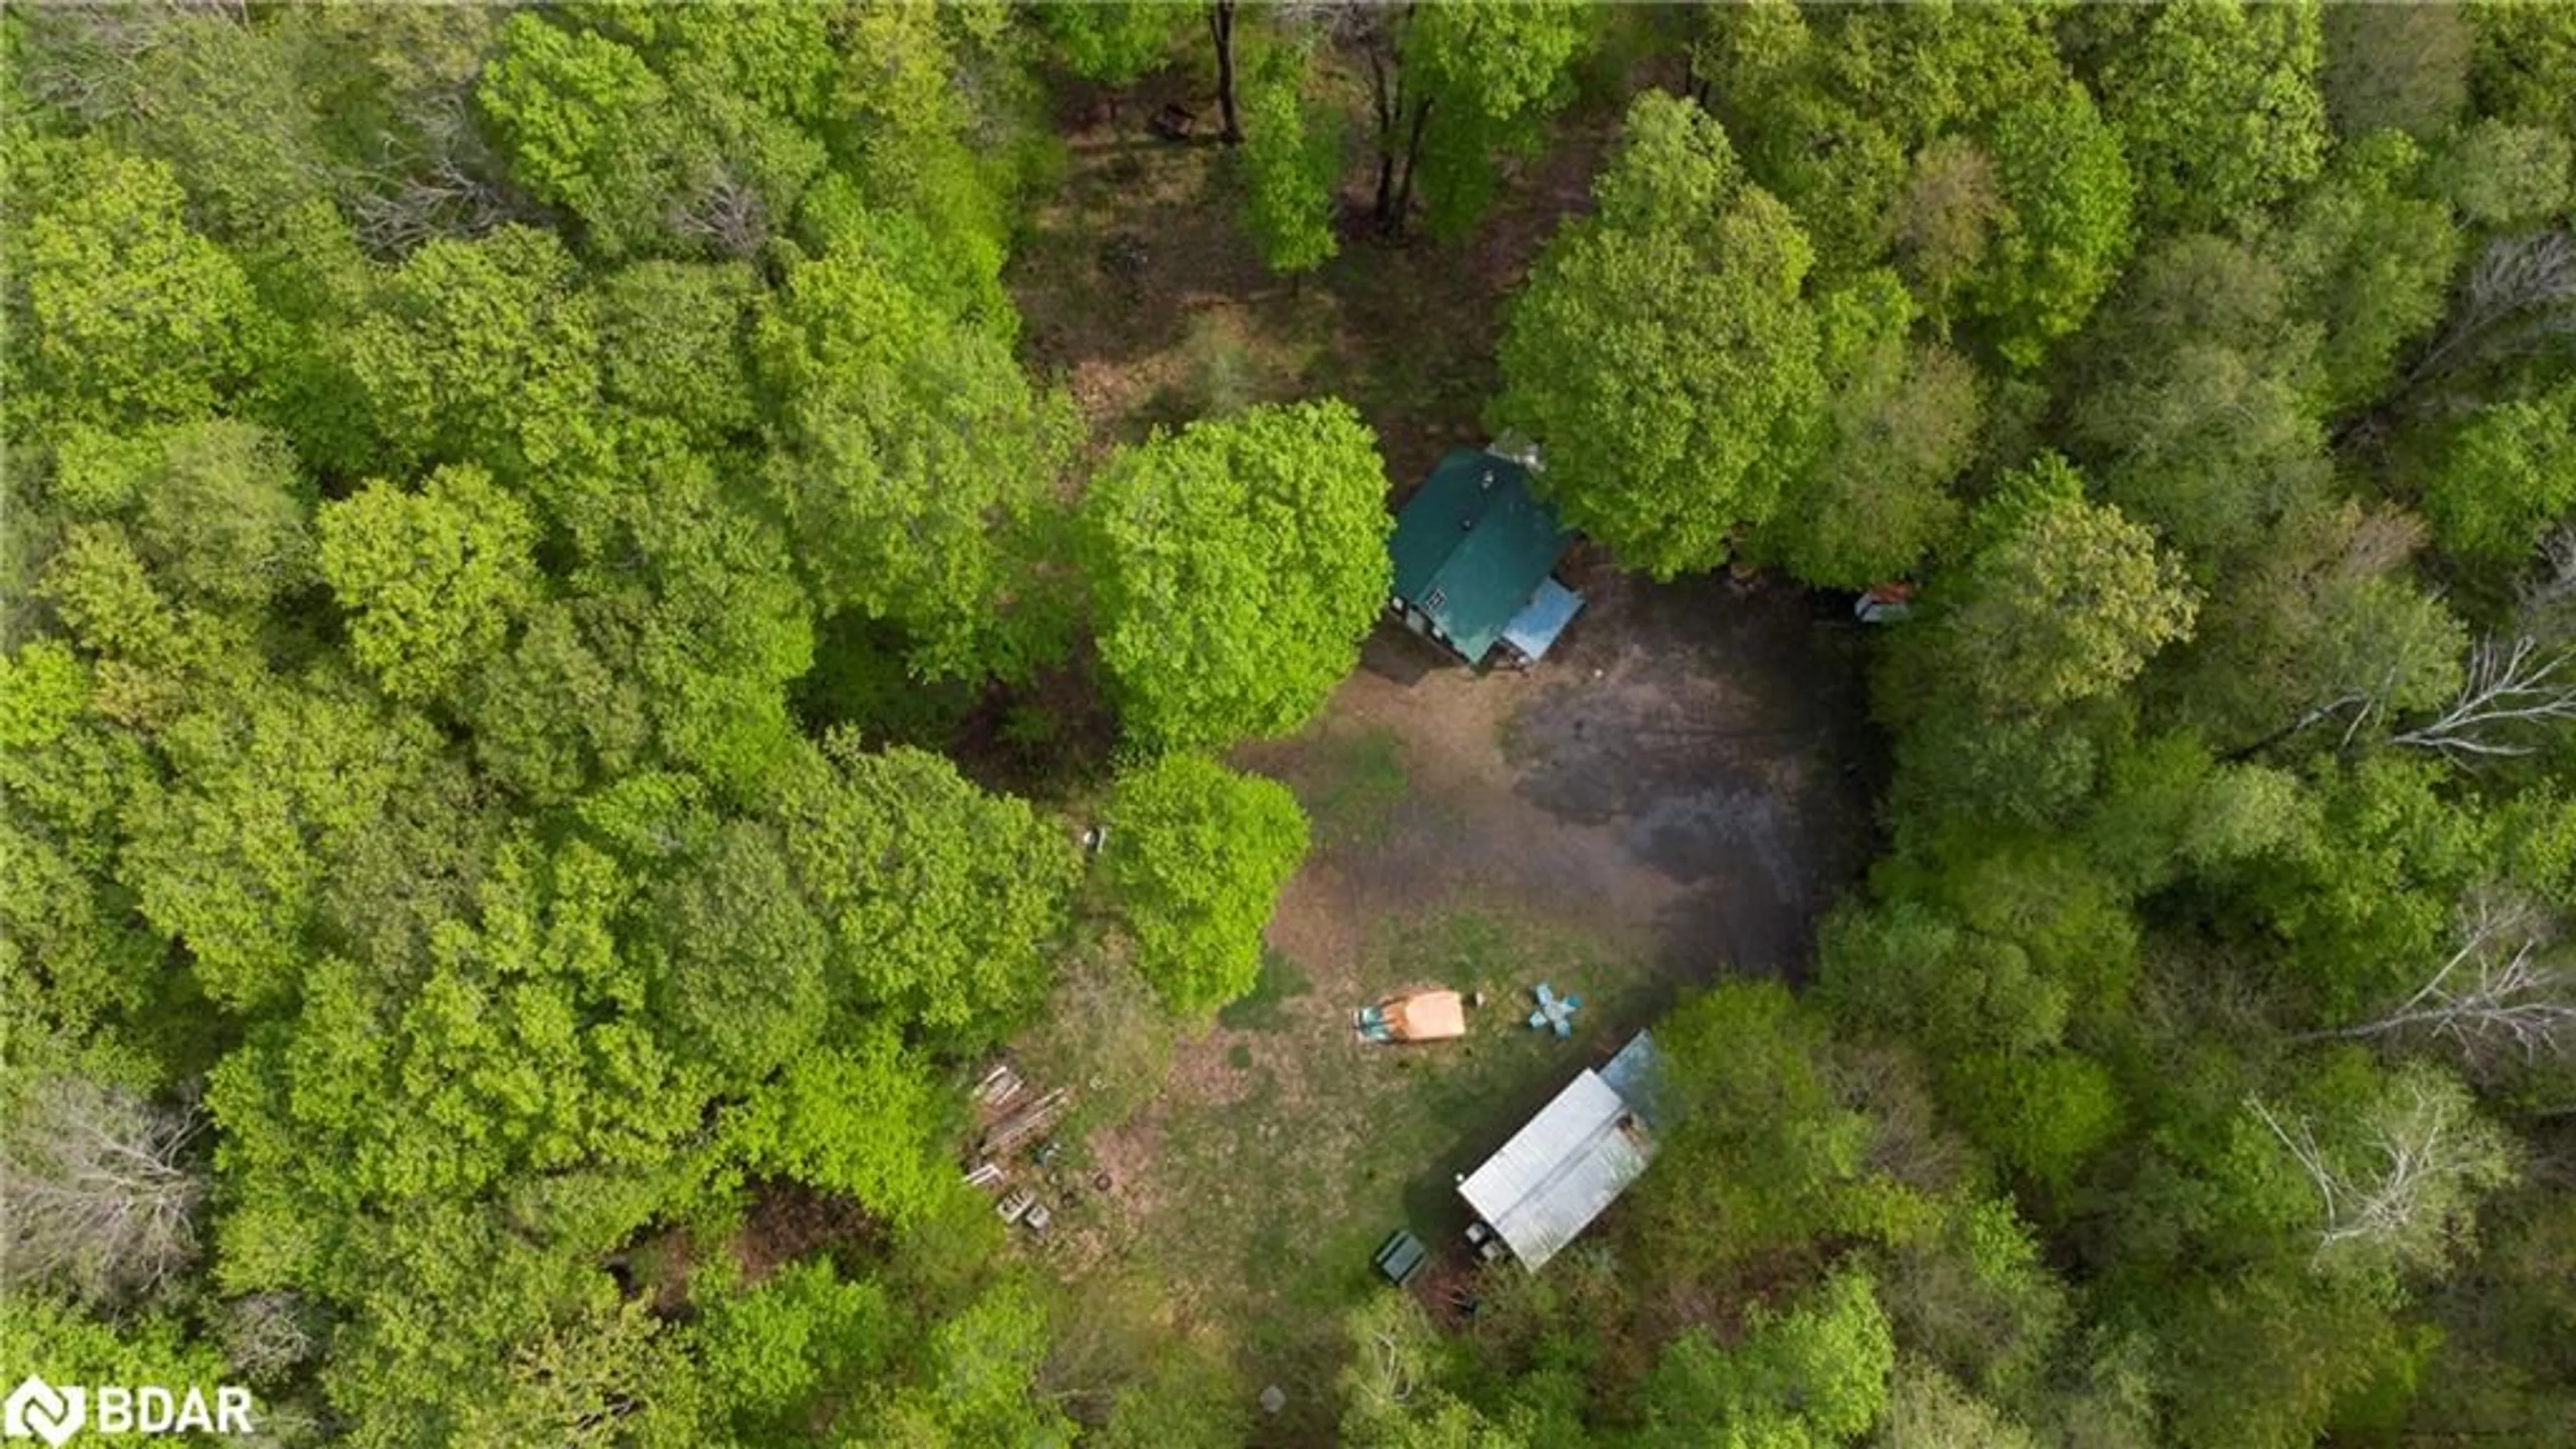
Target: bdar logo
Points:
(39, 1410)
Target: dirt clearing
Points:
(1676, 793)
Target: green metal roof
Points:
(1471, 547)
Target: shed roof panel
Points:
(1560, 1170)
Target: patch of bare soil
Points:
(1719, 732)
(1687, 778)
(1140, 291)
(789, 1220)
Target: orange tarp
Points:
(1425, 1016)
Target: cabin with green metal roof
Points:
(1475, 557)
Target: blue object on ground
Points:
(1554, 1011)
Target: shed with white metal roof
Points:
(1567, 1163)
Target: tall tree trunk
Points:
(1221, 26)
(1382, 103)
(1385, 50)
(1396, 217)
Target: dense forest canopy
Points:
(560, 653)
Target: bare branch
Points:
(100, 1195)
(267, 1335)
(2522, 291)
(2406, 1170)
(2505, 688)
(2494, 999)
(724, 212)
(2548, 605)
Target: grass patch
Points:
(1269, 1203)
(1104, 1036)
(1355, 781)
(1264, 1009)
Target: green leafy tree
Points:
(2262, 1360)
(769, 1351)
(2318, 627)
(1857, 118)
(1927, 1409)
(1195, 859)
(2505, 476)
(1477, 81)
(1763, 1151)
(672, 341)
(1237, 565)
(119, 313)
(1291, 159)
(971, 1380)
(1663, 354)
(855, 1116)
(2202, 408)
(578, 115)
(63, 1345)
(2523, 63)
(2395, 67)
(2044, 1116)
(2169, 810)
(1450, 87)
(431, 580)
(672, 137)
(256, 839)
(1810, 1378)
(693, 603)
(73, 953)
(2065, 184)
(962, 895)
(520, 1051)
(2067, 601)
(2370, 256)
(909, 448)
(480, 353)
(1976, 1301)
(1113, 43)
(2218, 103)
(745, 970)
(2368, 890)
(1900, 427)
(558, 710)
(226, 518)
(2506, 177)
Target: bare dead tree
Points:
(2521, 293)
(98, 1194)
(267, 1335)
(85, 59)
(2426, 1153)
(2508, 687)
(1387, 1363)
(432, 185)
(2494, 998)
(722, 211)
(2547, 609)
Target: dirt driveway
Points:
(1687, 779)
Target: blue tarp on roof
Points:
(1536, 627)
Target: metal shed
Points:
(1566, 1164)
